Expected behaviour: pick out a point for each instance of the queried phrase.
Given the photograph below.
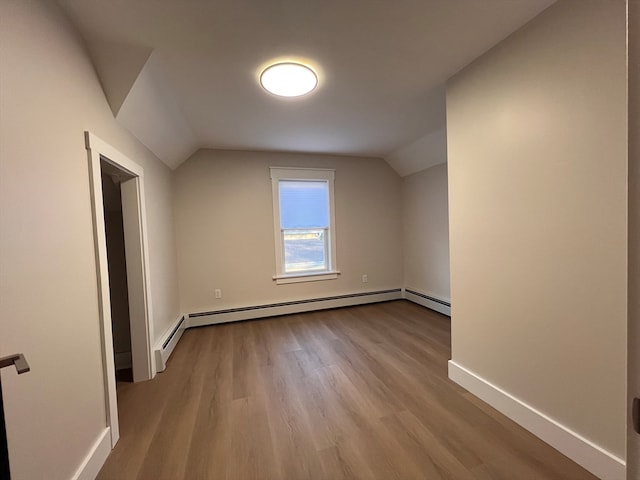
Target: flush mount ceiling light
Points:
(288, 79)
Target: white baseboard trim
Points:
(123, 360)
(434, 303)
(298, 306)
(592, 457)
(168, 341)
(93, 462)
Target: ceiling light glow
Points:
(288, 79)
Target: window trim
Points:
(317, 174)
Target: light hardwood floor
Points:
(359, 392)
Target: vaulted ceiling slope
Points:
(183, 75)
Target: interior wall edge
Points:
(95, 458)
(591, 456)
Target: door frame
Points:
(633, 277)
(136, 247)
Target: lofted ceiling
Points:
(183, 75)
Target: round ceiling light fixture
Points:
(288, 79)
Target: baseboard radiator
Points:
(434, 303)
(168, 342)
(297, 306)
(212, 317)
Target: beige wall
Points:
(49, 94)
(537, 199)
(425, 232)
(224, 228)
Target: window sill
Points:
(306, 277)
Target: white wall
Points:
(425, 232)
(537, 198)
(49, 95)
(224, 228)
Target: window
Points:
(304, 230)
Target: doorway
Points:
(117, 195)
(112, 178)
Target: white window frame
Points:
(311, 174)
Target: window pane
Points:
(304, 204)
(304, 250)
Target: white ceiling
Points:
(182, 75)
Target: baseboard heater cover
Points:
(169, 342)
(428, 301)
(297, 306)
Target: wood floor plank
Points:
(251, 443)
(291, 433)
(338, 464)
(351, 393)
(380, 451)
(209, 445)
(168, 451)
(422, 444)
